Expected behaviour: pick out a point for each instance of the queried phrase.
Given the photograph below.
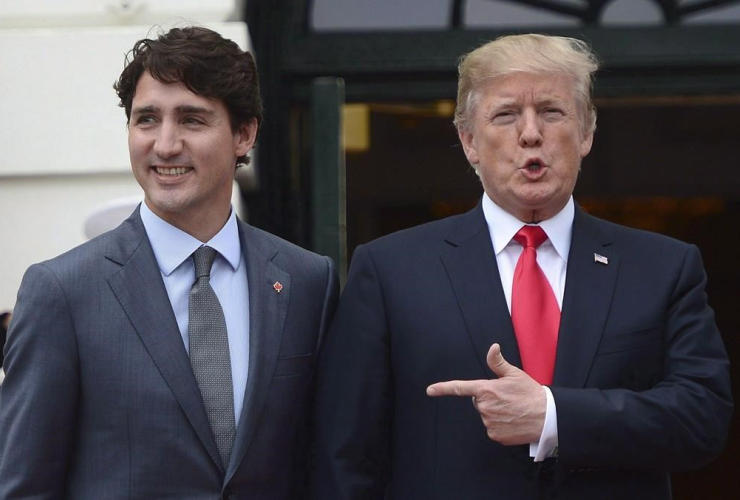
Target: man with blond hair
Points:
(589, 351)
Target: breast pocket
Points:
(291, 366)
(630, 341)
(631, 360)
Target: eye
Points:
(145, 119)
(553, 112)
(193, 120)
(503, 117)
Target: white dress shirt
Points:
(172, 249)
(552, 257)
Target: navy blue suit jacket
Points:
(641, 380)
(100, 401)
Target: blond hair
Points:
(532, 53)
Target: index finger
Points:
(456, 388)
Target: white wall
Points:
(56, 86)
(67, 13)
(44, 216)
(63, 144)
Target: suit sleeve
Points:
(354, 399)
(306, 433)
(38, 400)
(331, 297)
(681, 422)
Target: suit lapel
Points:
(267, 312)
(471, 267)
(588, 293)
(142, 295)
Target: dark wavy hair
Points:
(205, 62)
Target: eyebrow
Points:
(551, 99)
(505, 102)
(185, 109)
(501, 104)
(144, 110)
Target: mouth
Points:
(172, 171)
(534, 165)
(534, 169)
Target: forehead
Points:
(537, 87)
(150, 92)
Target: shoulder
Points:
(432, 235)
(97, 258)
(649, 256)
(628, 239)
(288, 255)
(85, 255)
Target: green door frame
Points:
(328, 193)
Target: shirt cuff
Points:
(547, 446)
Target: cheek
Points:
(491, 176)
(137, 144)
(133, 150)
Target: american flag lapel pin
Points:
(601, 259)
(277, 286)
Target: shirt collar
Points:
(172, 246)
(503, 226)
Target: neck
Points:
(533, 218)
(536, 215)
(202, 225)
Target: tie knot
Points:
(530, 236)
(203, 260)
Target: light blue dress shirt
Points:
(173, 249)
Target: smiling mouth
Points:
(172, 171)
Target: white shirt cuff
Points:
(547, 446)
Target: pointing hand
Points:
(512, 407)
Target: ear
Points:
(468, 143)
(586, 143)
(245, 137)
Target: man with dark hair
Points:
(173, 356)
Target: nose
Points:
(167, 142)
(530, 129)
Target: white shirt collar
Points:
(172, 245)
(503, 226)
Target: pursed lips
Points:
(534, 164)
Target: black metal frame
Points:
(407, 66)
(591, 11)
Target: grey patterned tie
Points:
(209, 353)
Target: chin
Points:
(536, 201)
(544, 204)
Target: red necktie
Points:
(534, 309)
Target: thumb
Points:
(497, 363)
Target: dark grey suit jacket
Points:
(100, 401)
